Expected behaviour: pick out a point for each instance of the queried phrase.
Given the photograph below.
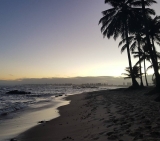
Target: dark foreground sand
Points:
(118, 115)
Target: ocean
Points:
(19, 112)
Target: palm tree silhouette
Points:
(153, 76)
(117, 21)
(135, 41)
(136, 72)
(154, 32)
(144, 55)
(154, 62)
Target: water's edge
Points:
(17, 123)
(44, 107)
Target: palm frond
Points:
(133, 46)
(123, 48)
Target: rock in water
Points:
(17, 92)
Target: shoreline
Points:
(102, 115)
(18, 122)
(56, 121)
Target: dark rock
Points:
(43, 121)
(17, 92)
(58, 95)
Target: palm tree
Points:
(151, 66)
(154, 32)
(136, 72)
(121, 18)
(144, 55)
(155, 64)
(135, 41)
(153, 76)
(117, 21)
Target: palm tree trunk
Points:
(155, 65)
(140, 65)
(154, 50)
(134, 82)
(145, 71)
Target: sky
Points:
(56, 38)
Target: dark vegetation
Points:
(139, 28)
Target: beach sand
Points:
(119, 115)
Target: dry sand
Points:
(119, 115)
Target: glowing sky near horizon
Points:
(56, 38)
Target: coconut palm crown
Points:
(118, 21)
(136, 72)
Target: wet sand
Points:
(15, 123)
(119, 115)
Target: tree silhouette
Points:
(117, 21)
(154, 32)
(144, 55)
(135, 42)
(122, 20)
(154, 62)
(136, 72)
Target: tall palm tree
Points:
(144, 55)
(155, 64)
(154, 32)
(153, 76)
(117, 21)
(135, 41)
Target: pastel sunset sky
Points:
(57, 38)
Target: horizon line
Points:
(19, 79)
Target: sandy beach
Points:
(120, 115)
